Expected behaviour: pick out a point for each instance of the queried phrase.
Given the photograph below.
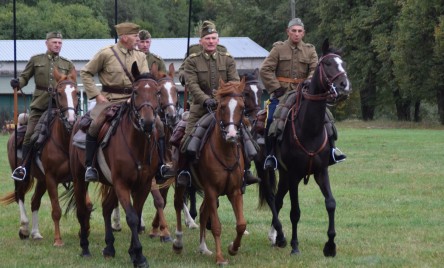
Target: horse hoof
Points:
(36, 236)
(177, 249)
(153, 235)
(142, 264)
(166, 239)
(231, 251)
(58, 243)
(85, 253)
(23, 236)
(116, 229)
(222, 263)
(330, 249)
(295, 251)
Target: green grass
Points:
(390, 213)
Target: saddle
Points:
(43, 129)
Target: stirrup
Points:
(17, 173)
(337, 158)
(270, 157)
(184, 178)
(169, 173)
(93, 175)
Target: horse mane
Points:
(228, 88)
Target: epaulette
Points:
(156, 56)
(63, 58)
(278, 43)
(221, 48)
(308, 45)
(192, 55)
(226, 53)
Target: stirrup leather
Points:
(16, 174)
(271, 158)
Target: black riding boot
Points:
(336, 155)
(270, 161)
(91, 173)
(23, 172)
(165, 171)
(249, 178)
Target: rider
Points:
(202, 71)
(40, 66)
(289, 63)
(116, 84)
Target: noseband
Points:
(135, 109)
(61, 110)
(163, 107)
(326, 82)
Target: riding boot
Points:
(336, 155)
(22, 172)
(270, 161)
(91, 174)
(165, 171)
(249, 178)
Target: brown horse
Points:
(50, 166)
(304, 149)
(219, 171)
(127, 165)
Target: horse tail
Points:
(267, 186)
(20, 186)
(105, 191)
(67, 197)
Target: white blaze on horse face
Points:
(169, 87)
(255, 90)
(69, 90)
(232, 132)
(342, 70)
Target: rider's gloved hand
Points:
(211, 103)
(15, 82)
(279, 92)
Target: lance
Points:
(185, 91)
(15, 88)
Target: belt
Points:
(290, 80)
(41, 88)
(117, 90)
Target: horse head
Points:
(144, 101)
(331, 76)
(252, 93)
(168, 97)
(66, 96)
(230, 109)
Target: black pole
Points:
(15, 76)
(189, 27)
(115, 19)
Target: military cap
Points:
(53, 35)
(144, 35)
(207, 28)
(127, 28)
(295, 21)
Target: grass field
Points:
(390, 213)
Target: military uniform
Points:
(154, 58)
(289, 61)
(116, 85)
(202, 72)
(41, 66)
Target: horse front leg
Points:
(216, 228)
(56, 211)
(275, 203)
(203, 220)
(40, 190)
(109, 205)
(330, 204)
(178, 205)
(241, 225)
(295, 214)
(83, 212)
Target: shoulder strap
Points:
(123, 66)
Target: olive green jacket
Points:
(41, 67)
(153, 58)
(290, 61)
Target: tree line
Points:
(394, 48)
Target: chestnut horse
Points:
(219, 171)
(127, 166)
(51, 165)
(304, 149)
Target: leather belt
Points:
(117, 90)
(290, 80)
(41, 88)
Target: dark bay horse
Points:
(304, 149)
(219, 171)
(50, 166)
(127, 164)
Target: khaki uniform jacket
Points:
(153, 58)
(290, 61)
(41, 66)
(110, 72)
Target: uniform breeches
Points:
(34, 117)
(196, 112)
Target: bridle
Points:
(163, 106)
(257, 107)
(224, 125)
(60, 109)
(327, 83)
(135, 109)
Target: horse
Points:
(128, 164)
(304, 149)
(51, 166)
(219, 171)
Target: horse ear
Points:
(73, 74)
(221, 82)
(155, 70)
(325, 46)
(171, 70)
(135, 70)
(56, 74)
(256, 73)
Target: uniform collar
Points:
(298, 46)
(124, 49)
(208, 56)
(52, 56)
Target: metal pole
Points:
(115, 18)
(15, 89)
(185, 91)
(292, 7)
